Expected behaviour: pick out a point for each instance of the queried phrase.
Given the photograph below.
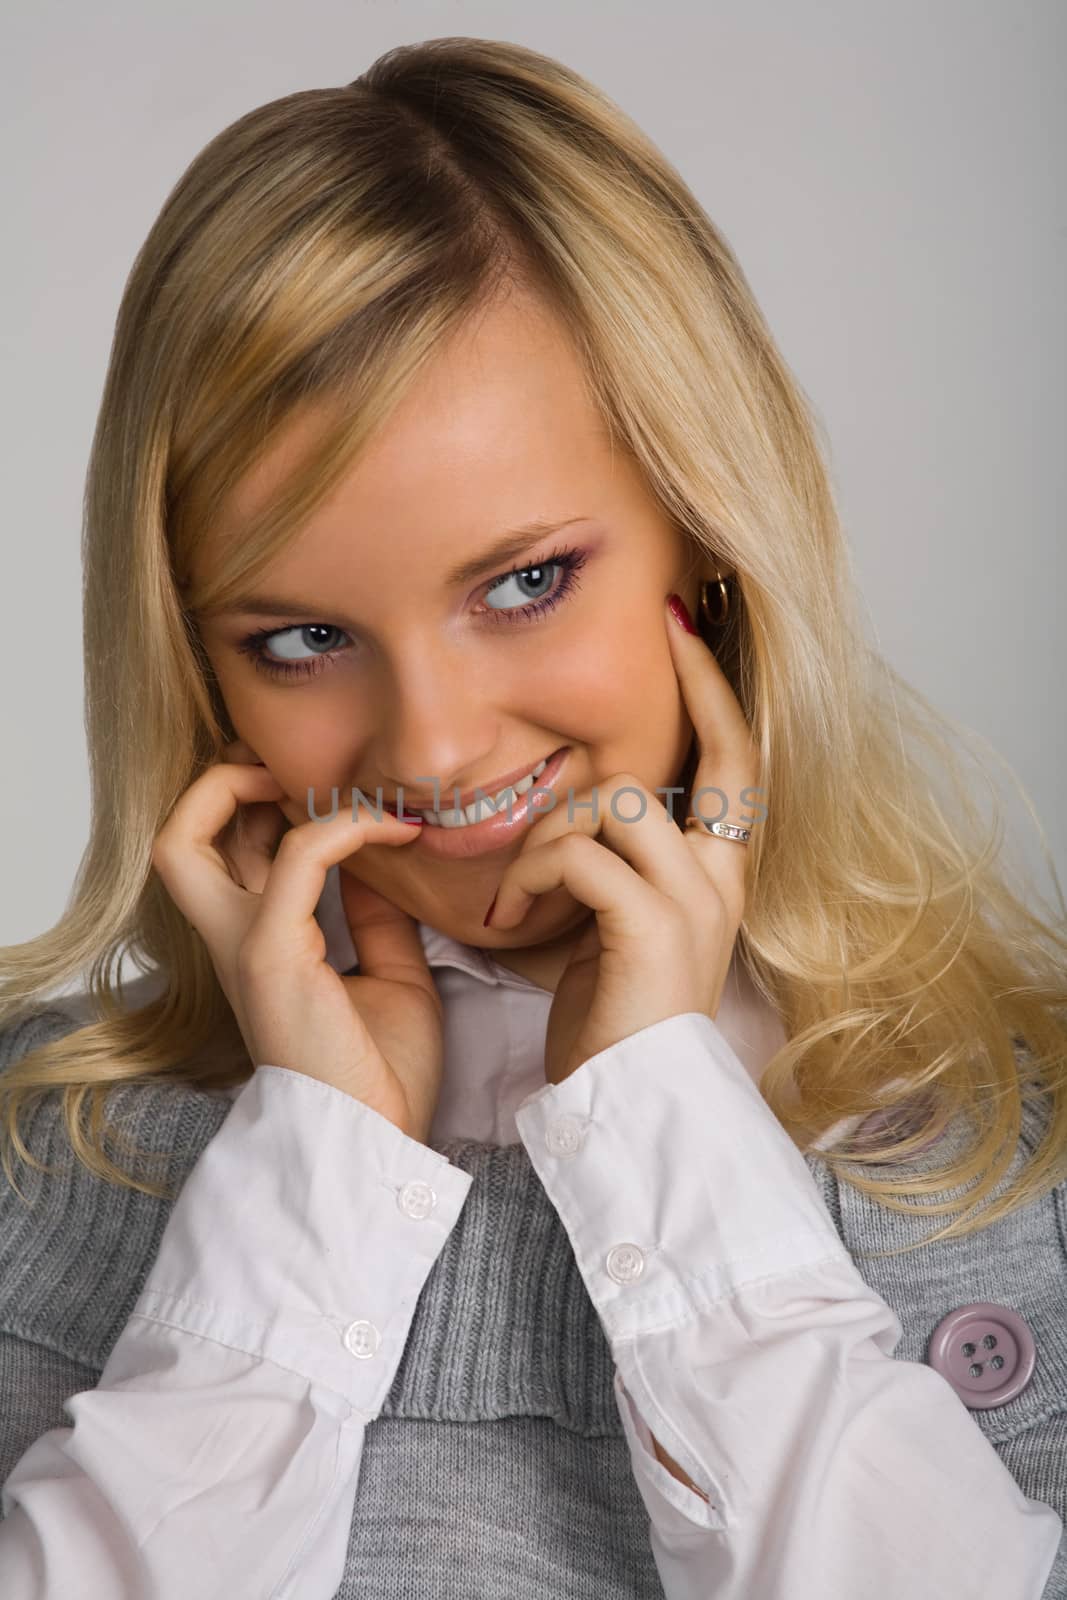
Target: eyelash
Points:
(569, 560)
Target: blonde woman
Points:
(562, 983)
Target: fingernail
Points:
(489, 913)
(680, 612)
(412, 822)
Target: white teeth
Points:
(478, 810)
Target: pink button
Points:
(986, 1352)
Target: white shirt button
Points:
(564, 1136)
(625, 1262)
(416, 1198)
(362, 1338)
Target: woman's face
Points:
(416, 674)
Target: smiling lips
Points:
(518, 782)
(499, 828)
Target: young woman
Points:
(536, 982)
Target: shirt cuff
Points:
(304, 1234)
(675, 1182)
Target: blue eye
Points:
(285, 660)
(567, 562)
(285, 644)
(294, 638)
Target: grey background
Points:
(890, 175)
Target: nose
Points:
(436, 723)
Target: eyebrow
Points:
(509, 547)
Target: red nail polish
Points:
(489, 913)
(680, 611)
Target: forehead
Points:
(497, 427)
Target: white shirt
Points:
(742, 1334)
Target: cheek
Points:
(622, 683)
(585, 690)
(633, 706)
(299, 737)
(619, 694)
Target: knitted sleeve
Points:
(74, 1255)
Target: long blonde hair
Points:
(322, 247)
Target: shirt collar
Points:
(443, 951)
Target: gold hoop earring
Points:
(705, 611)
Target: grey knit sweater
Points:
(505, 1348)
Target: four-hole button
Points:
(564, 1135)
(625, 1262)
(362, 1338)
(417, 1199)
(986, 1351)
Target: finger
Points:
(727, 767)
(629, 820)
(252, 843)
(192, 867)
(386, 939)
(624, 903)
(305, 855)
(727, 755)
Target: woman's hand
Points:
(667, 903)
(249, 884)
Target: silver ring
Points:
(722, 830)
